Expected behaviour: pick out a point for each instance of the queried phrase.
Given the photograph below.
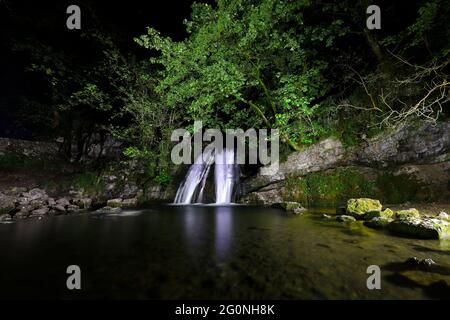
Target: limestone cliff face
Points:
(409, 163)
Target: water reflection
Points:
(193, 225)
(199, 252)
(223, 236)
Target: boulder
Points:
(22, 201)
(40, 212)
(35, 194)
(62, 202)
(408, 213)
(443, 216)
(22, 214)
(345, 218)
(426, 228)
(36, 204)
(115, 203)
(72, 208)
(51, 202)
(359, 207)
(378, 222)
(7, 204)
(385, 214)
(59, 209)
(130, 203)
(288, 205)
(83, 203)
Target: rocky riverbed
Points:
(21, 203)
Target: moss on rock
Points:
(421, 228)
(359, 207)
(378, 223)
(290, 206)
(328, 188)
(385, 214)
(408, 213)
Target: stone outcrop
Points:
(20, 203)
(411, 162)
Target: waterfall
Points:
(225, 175)
(191, 190)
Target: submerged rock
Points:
(408, 213)
(345, 218)
(359, 207)
(426, 228)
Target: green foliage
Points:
(329, 188)
(163, 178)
(244, 64)
(87, 181)
(248, 64)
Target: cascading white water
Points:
(225, 175)
(191, 190)
(188, 192)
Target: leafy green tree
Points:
(249, 64)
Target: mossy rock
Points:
(421, 228)
(408, 213)
(385, 214)
(114, 203)
(289, 206)
(359, 207)
(378, 223)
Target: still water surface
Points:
(213, 252)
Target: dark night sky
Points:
(46, 20)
